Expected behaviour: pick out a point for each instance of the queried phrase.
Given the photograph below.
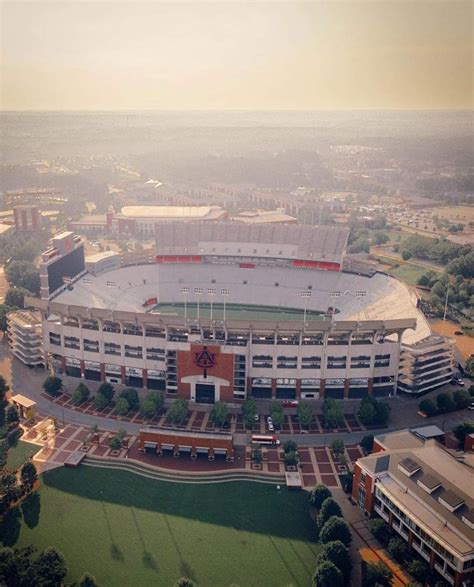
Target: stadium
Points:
(225, 311)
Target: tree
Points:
(372, 411)
(445, 403)
(367, 443)
(327, 575)
(461, 398)
(131, 395)
(4, 310)
(185, 582)
(428, 407)
(277, 414)
(81, 394)
(329, 508)
(305, 414)
(376, 575)
(122, 406)
(115, 443)
(53, 385)
(107, 390)
(100, 402)
(88, 581)
(398, 549)
(290, 446)
(3, 388)
(332, 413)
(28, 474)
(406, 255)
(49, 569)
(419, 570)
(318, 494)
(15, 297)
(178, 411)
(337, 446)
(335, 529)
(148, 408)
(380, 238)
(13, 417)
(336, 553)
(23, 274)
(291, 459)
(380, 530)
(462, 430)
(219, 414)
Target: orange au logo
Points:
(205, 360)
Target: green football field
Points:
(235, 311)
(132, 531)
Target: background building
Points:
(27, 218)
(25, 337)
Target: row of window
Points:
(314, 362)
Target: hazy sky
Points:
(235, 55)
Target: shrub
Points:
(100, 402)
(335, 529)
(445, 402)
(318, 494)
(329, 508)
(428, 407)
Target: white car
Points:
(471, 406)
(256, 417)
(270, 424)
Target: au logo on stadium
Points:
(205, 360)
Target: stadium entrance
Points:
(205, 393)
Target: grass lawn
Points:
(18, 454)
(408, 273)
(128, 530)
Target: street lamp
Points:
(198, 293)
(334, 294)
(185, 291)
(305, 295)
(225, 293)
(212, 292)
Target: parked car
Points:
(257, 417)
(293, 403)
(457, 381)
(270, 424)
(471, 406)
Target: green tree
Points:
(428, 407)
(131, 395)
(158, 397)
(290, 446)
(178, 411)
(380, 238)
(332, 413)
(53, 385)
(185, 582)
(318, 494)
(81, 393)
(398, 549)
(336, 553)
(380, 530)
(116, 442)
(122, 406)
(461, 398)
(219, 414)
(305, 414)
(445, 403)
(419, 570)
(100, 402)
(49, 569)
(327, 575)
(376, 575)
(15, 297)
(367, 443)
(337, 446)
(107, 390)
(13, 417)
(28, 474)
(462, 430)
(335, 529)
(249, 411)
(329, 508)
(88, 581)
(4, 310)
(277, 414)
(291, 459)
(406, 255)
(23, 274)
(148, 408)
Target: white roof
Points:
(170, 212)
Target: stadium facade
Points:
(224, 311)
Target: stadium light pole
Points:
(198, 293)
(305, 295)
(212, 292)
(185, 291)
(334, 294)
(225, 293)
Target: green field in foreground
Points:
(20, 453)
(235, 311)
(133, 531)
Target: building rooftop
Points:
(25, 318)
(263, 216)
(173, 212)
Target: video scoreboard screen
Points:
(67, 267)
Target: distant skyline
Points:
(329, 55)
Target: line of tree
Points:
(447, 402)
(373, 412)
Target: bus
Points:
(265, 439)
